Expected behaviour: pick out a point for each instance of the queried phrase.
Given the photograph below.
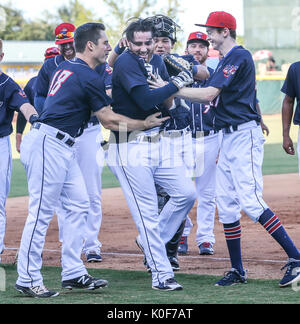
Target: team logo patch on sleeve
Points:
(230, 70)
(22, 94)
(108, 69)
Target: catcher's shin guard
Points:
(172, 245)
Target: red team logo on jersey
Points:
(58, 79)
(22, 94)
(108, 69)
(229, 70)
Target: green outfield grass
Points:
(134, 287)
(276, 161)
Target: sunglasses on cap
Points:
(64, 35)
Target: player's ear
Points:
(1, 56)
(226, 32)
(90, 46)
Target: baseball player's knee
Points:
(189, 195)
(229, 218)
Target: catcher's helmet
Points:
(51, 52)
(164, 26)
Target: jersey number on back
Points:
(58, 79)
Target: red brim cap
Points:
(65, 40)
(220, 19)
(198, 37)
(64, 28)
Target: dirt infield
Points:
(262, 256)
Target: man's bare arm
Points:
(287, 115)
(117, 122)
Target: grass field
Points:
(276, 161)
(133, 287)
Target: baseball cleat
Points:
(292, 274)
(169, 284)
(84, 282)
(93, 257)
(183, 245)
(206, 249)
(36, 292)
(232, 277)
(174, 263)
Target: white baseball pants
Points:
(90, 157)
(5, 178)
(239, 174)
(52, 173)
(138, 165)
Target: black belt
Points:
(233, 128)
(59, 135)
(205, 133)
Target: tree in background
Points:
(116, 14)
(76, 13)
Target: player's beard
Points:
(68, 53)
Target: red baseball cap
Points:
(220, 19)
(51, 52)
(198, 36)
(64, 33)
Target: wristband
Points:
(33, 118)
(194, 70)
(119, 50)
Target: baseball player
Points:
(141, 160)
(291, 90)
(239, 177)
(165, 41)
(49, 158)
(88, 146)
(64, 36)
(12, 98)
(30, 93)
(203, 124)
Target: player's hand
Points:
(156, 82)
(288, 145)
(264, 128)
(154, 120)
(123, 42)
(18, 142)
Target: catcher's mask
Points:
(164, 26)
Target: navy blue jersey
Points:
(12, 97)
(235, 76)
(45, 74)
(75, 91)
(130, 72)
(106, 70)
(181, 117)
(291, 87)
(202, 116)
(30, 90)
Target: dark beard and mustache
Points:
(70, 55)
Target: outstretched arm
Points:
(117, 122)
